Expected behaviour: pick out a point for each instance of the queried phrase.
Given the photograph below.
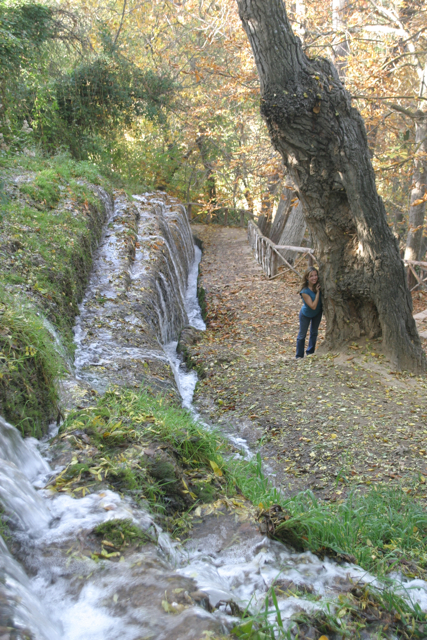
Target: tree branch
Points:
(121, 24)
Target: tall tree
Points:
(340, 45)
(323, 142)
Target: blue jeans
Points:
(304, 323)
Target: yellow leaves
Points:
(419, 201)
(217, 471)
(174, 607)
(193, 495)
(333, 436)
(107, 543)
(84, 490)
(30, 351)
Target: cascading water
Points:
(67, 595)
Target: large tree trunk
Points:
(323, 143)
(419, 189)
(267, 204)
(294, 231)
(283, 211)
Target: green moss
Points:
(121, 533)
(152, 450)
(29, 368)
(48, 231)
(44, 189)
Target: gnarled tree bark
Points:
(322, 140)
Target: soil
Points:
(332, 422)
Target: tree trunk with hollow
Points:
(323, 142)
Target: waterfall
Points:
(140, 294)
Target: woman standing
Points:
(311, 311)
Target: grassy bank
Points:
(154, 451)
(50, 221)
(147, 447)
(382, 531)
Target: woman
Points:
(311, 311)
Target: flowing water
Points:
(52, 589)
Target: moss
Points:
(49, 228)
(201, 295)
(44, 189)
(150, 449)
(29, 368)
(121, 533)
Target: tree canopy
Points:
(165, 94)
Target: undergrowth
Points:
(363, 612)
(148, 448)
(383, 531)
(120, 533)
(50, 221)
(29, 368)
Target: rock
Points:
(188, 337)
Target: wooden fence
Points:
(269, 257)
(420, 278)
(268, 254)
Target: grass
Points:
(149, 448)
(120, 533)
(364, 610)
(62, 165)
(50, 223)
(383, 531)
(29, 368)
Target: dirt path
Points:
(329, 423)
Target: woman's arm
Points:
(309, 302)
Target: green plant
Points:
(382, 530)
(44, 189)
(121, 533)
(29, 368)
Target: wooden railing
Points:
(268, 254)
(421, 279)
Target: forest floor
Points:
(332, 423)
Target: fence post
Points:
(274, 265)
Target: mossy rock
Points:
(121, 533)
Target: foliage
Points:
(29, 368)
(107, 92)
(121, 533)
(149, 448)
(23, 29)
(382, 530)
(48, 227)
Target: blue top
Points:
(311, 313)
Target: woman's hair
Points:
(304, 281)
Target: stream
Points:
(165, 590)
